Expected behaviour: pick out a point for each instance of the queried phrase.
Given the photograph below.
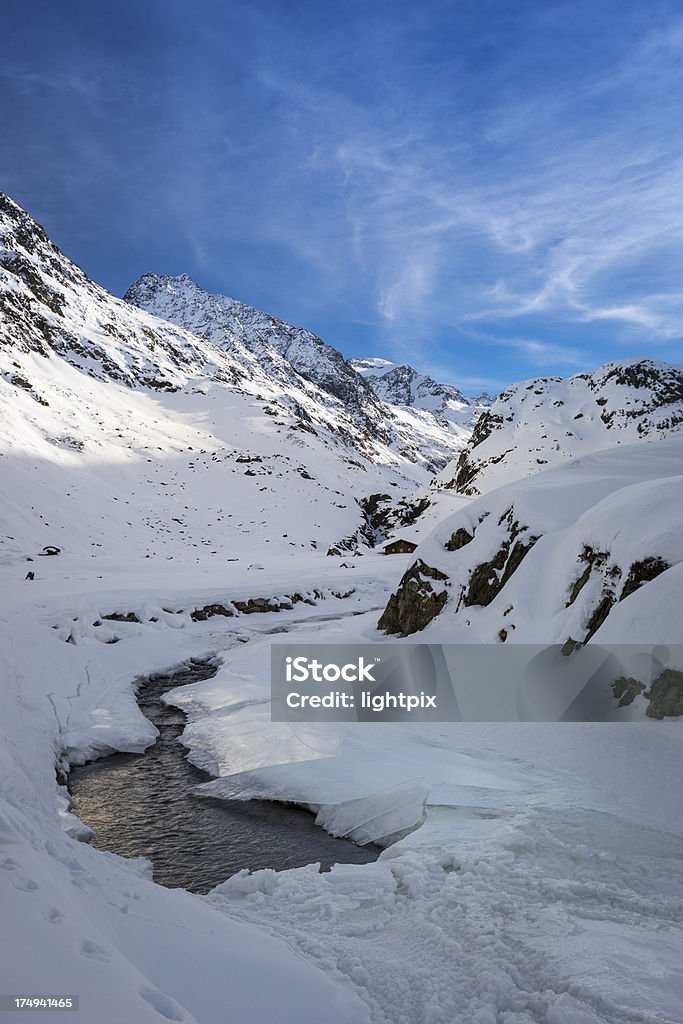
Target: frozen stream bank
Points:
(143, 805)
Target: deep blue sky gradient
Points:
(489, 190)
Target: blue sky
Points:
(489, 190)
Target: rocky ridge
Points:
(402, 385)
(49, 306)
(548, 421)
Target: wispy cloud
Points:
(573, 211)
(432, 182)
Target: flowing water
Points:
(143, 805)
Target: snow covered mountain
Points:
(193, 431)
(294, 357)
(258, 339)
(550, 420)
(402, 385)
(49, 307)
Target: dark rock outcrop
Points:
(208, 611)
(666, 695)
(459, 539)
(489, 578)
(626, 689)
(416, 602)
(642, 572)
(598, 615)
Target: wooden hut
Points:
(400, 547)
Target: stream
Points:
(142, 805)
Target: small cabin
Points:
(400, 547)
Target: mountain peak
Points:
(403, 385)
(252, 335)
(49, 306)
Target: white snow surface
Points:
(538, 875)
(539, 878)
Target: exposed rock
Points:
(643, 572)
(598, 616)
(256, 604)
(416, 602)
(579, 585)
(120, 617)
(459, 539)
(489, 578)
(626, 689)
(593, 559)
(666, 695)
(209, 610)
(301, 425)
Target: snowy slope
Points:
(543, 422)
(592, 549)
(296, 358)
(247, 332)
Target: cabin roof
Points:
(400, 542)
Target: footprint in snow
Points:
(54, 916)
(163, 1005)
(94, 952)
(26, 885)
